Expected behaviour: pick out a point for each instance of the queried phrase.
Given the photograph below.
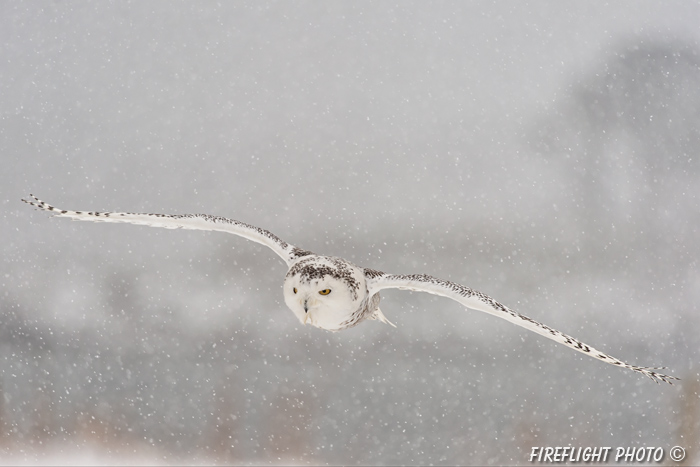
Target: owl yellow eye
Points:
(324, 291)
(295, 290)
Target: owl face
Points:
(324, 292)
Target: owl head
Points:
(324, 291)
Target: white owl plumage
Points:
(332, 293)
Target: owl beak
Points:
(306, 310)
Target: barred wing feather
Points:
(482, 302)
(182, 221)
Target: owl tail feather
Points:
(379, 316)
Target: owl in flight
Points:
(332, 293)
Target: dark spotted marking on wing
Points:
(298, 253)
(425, 283)
(224, 220)
(372, 273)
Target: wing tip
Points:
(655, 376)
(36, 202)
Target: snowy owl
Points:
(332, 293)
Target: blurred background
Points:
(545, 153)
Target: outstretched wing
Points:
(183, 221)
(479, 301)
